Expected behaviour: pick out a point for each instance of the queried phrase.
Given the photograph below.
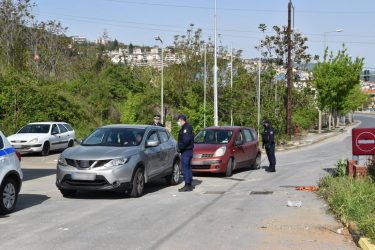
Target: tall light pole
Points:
(259, 67)
(325, 36)
(325, 47)
(157, 38)
(231, 85)
(216, 116)
(205, 85)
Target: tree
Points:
(334, 79)
(274, 50)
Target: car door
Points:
(165, 157)
(64, 136)
(251, 146)
(4, 156)
(239, 151)
(153, 155)
(55, 137)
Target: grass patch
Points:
(352, 200)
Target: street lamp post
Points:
(216, 116)
(327, 32)
(205, 85)
(231, 85)
(157, 38)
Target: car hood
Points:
(206, 148)
(25, 136)
(98, 152)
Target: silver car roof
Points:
(129, 126)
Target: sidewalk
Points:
(312, 137)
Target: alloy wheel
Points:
(9, 195)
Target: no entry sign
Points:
(363, 141)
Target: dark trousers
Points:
(271, 155)
(186, 157)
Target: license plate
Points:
(18, 147)
(83, 176)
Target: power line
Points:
(244, 10)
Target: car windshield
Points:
(211, 136)
(115, 137)
(35, 128)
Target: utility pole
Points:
(289, 72)
(216, 115)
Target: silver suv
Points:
(10, 176)
(119, 157)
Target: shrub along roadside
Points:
(351, 200)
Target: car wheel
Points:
(257, 162)
(45, 149)
(68, 192)
(70, 144)
(138, 183)
(174, 178)
(8, 191)
(230, 167)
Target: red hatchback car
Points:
(224, 149)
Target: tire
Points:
(68, 192)
(257, 162)
(174, 178)
(138, 183)
(9, 195)
(45, 149)
(230, 167)
(70, 144)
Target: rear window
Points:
(35, 128)
(62, 128)
(68, 126)
(213, 136)
(248, 135)
(163, 136)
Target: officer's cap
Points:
(182, 117)
(156, 116)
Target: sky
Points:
(139, 21)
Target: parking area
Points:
(245, 211)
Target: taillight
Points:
(18, 155)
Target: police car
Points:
(10, 176)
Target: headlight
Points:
(35, 140)
(62, 162)
(116, 162)
(220, 151)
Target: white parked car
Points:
(10, 176)
(43, 137)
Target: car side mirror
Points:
(152, 143)
(238, 142)
(54, 132)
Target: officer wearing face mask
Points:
(185, 147)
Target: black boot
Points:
(186, 188)
(270, 169)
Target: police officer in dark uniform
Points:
(156, 121)
(185, 147)
(268, 138)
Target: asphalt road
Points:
(221, 213)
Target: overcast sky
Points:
(139, 21)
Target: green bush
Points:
(351, 200)
(341, 167)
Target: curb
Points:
(323, 138)
(366, 244)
